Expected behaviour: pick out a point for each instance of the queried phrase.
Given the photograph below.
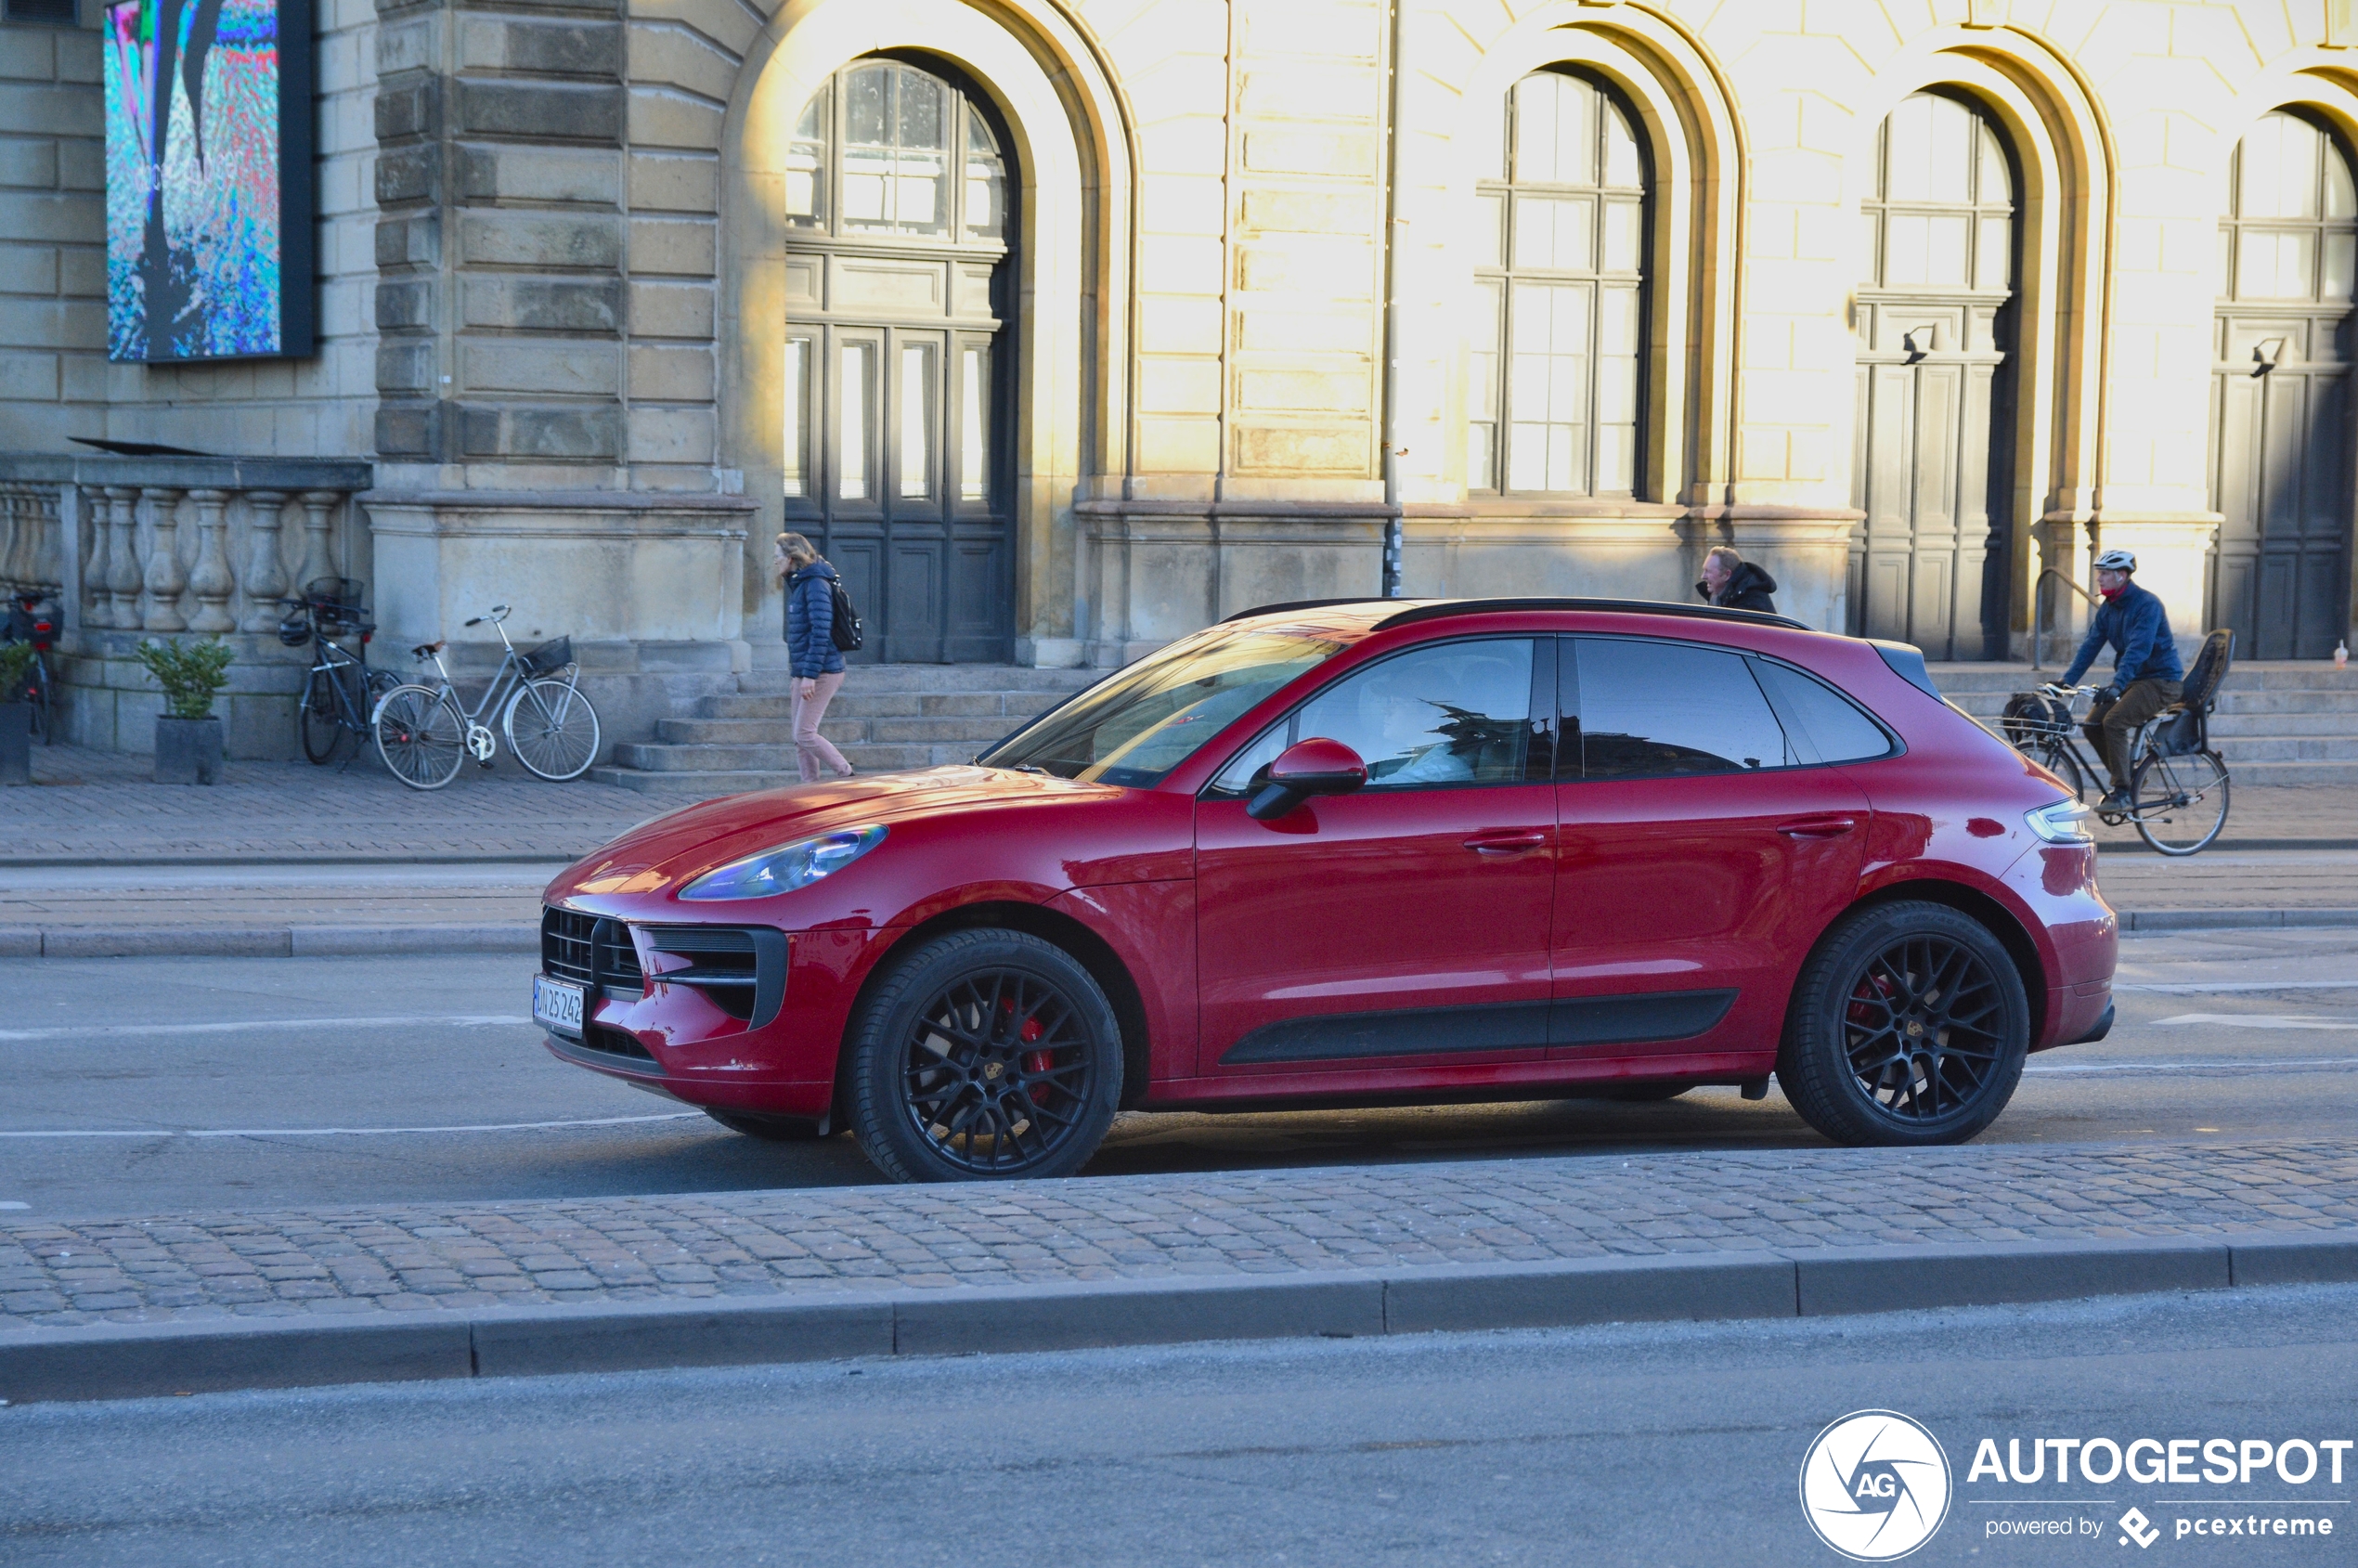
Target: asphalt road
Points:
(1624, 1446)
(147, 1085)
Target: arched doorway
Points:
(2280, 414)
(1935, 326)
(898, 438)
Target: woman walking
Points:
(815, 661)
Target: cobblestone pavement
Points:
(106, 807)
(427, 1257)
(2222, 878)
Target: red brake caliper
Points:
(1036, 1062)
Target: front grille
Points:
(588, 950)
(615, 1042)
(741, 971)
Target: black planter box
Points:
(187, 751)
(15, 744)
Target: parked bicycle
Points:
(342, 689)
(425, 735)
(2178, 783)
(33, 617)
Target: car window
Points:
(1454, 714)
(1651, 708)
(1836, 729)
(1135, 727)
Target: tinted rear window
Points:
(1835, 726)
(1649, 709)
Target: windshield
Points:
(1136, 727)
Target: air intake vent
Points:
(743, 971)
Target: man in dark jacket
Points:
(2146, 676)
(1733, 583)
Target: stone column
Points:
(48, 551)
(164, 581)
(122, 561)
(97, 612)
(265, 572)
(319, 557)
(13, 515)
(211, 582)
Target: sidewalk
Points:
(432, 1258)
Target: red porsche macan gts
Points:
(1365, 852)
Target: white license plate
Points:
(556, 1005)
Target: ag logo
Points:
(1874, 1485)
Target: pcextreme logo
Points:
(1876, 1485)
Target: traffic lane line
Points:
(236, 1026)
(344, 1132)
(2253, 1020)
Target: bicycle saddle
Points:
(427, 649)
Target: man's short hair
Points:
(1725, 554)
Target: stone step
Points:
(898, 678)
(2233, 719)
(1010, 707)
(2312, 675)
(708, 783)
(2251, 775)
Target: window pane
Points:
(896, 165)
(1836, 728)
(1946, 252)
(2280, 172)
(1548, 119)
(2340, 202)
(1993, 254)
(1555, 232)
(867, 104)
(1624, 169)
(2336, 284)
(1907, 239)
(917, 419)
(1622, 222)
(2274, 266)
(1649, 708)
(921, 116)
(807, 166)
(974, 453)
(986, 182)
(1457, 714)
(797, 420)
(1489, 219)
(851, 444)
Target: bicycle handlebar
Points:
(496, 613)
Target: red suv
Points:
(1356, 853)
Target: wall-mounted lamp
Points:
(2265, 355)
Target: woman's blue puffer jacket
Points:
(811, 622)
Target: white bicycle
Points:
(425, 735)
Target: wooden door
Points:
(1929, 563)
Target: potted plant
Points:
(16, 714)
(188, 735)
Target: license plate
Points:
(556, 1005)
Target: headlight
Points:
(781, 871)
(2062, 822)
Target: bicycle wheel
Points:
(2181, 801)
(422, 736)
(320, 720)
(2056, 758)
(553, 730)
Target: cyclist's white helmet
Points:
(2117, 561)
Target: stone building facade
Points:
(1068, 325)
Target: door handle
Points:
(1509, 841)
(1818, 827)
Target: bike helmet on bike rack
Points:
(294, 632)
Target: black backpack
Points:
(846, 630)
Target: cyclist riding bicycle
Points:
(2146, 676)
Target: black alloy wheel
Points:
(984, 1054)
(1909, 1026)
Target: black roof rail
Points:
(1442, 609)
(1293, 604)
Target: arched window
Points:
(1559, 339)
(897, 455)
(2280, 423)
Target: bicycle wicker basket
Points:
(335, 603)
(549, 657)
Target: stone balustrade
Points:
(138, 547)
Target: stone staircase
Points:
(886, 716)
(2276, 723)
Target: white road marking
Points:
(344, 1132)
(2166, 1067)
(2256, 1020)
(12, 1203)
(241, 1026)
(2201, 988)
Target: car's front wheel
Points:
(984, 1054)
(1909, 1026)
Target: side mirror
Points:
(1306, 767)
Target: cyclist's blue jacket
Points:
(811, 622)
(2135, 623)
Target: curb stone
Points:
(128, 1360)
(2232, 919)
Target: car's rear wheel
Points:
(1909, 1026)
(772, 1129)
(984, 1054)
